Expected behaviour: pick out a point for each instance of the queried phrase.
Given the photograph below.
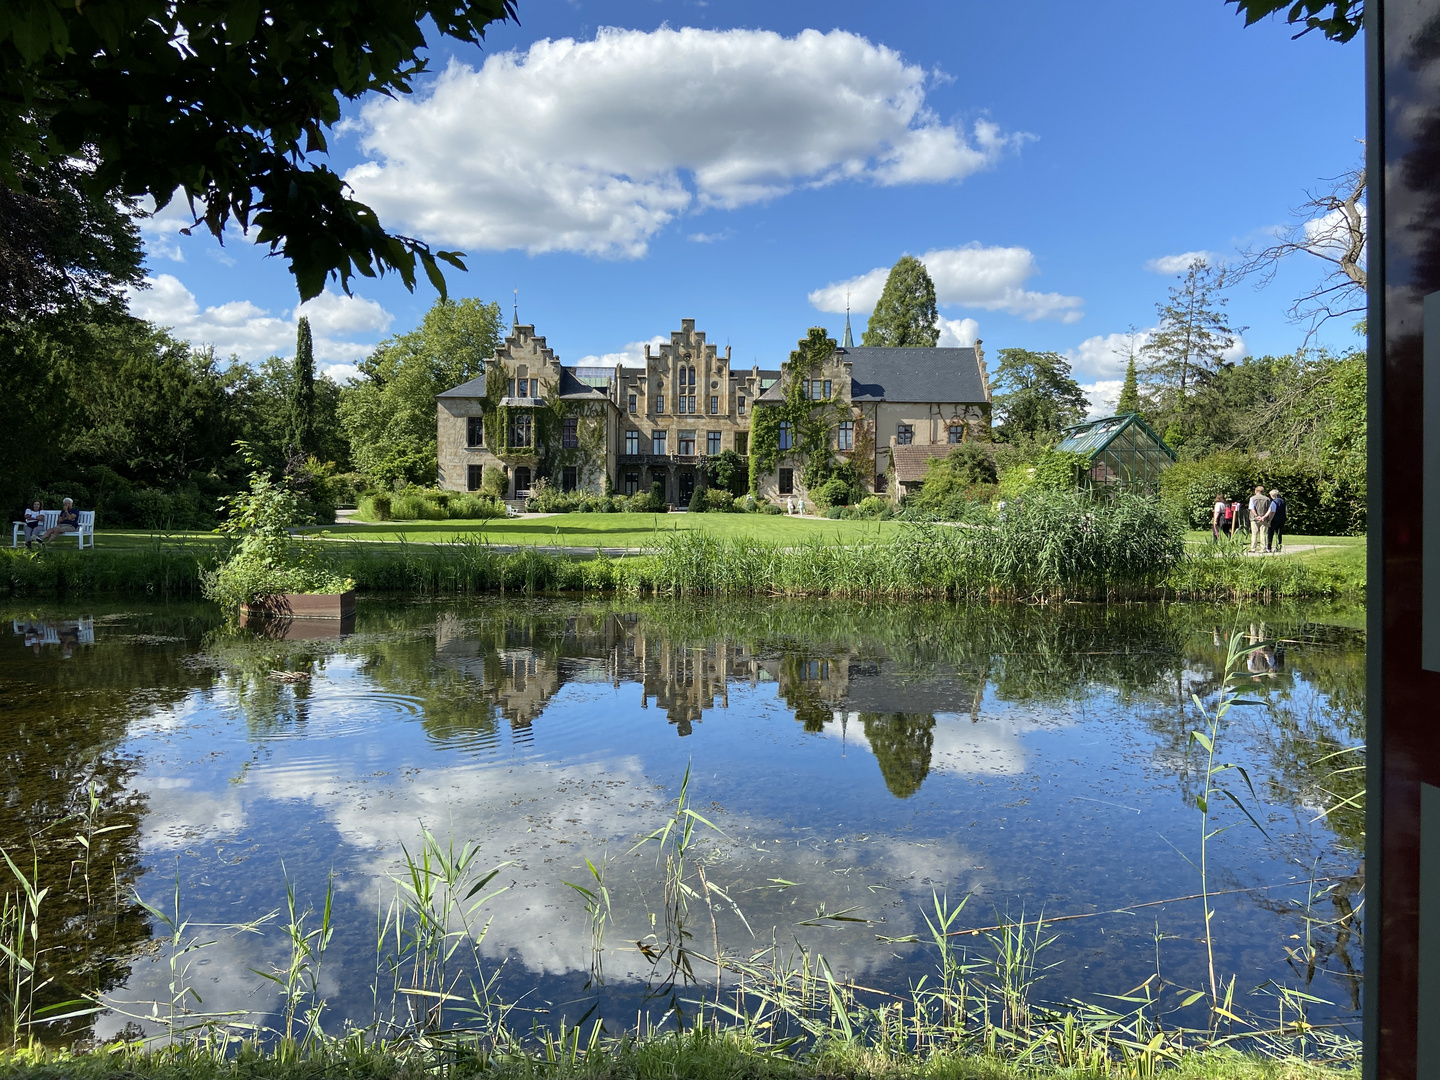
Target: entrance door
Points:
(522, 482)
(687, 488)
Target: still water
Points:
(847, 759)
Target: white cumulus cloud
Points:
(989, 278)
(252, 333)
(957, 333)
(631, 355)
(594, 146)
(1178, 264)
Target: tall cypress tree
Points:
(1130, 392)
(302, 392)
(905, 314)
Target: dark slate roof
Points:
(473, 389)
(908, 375)
(571, 387)
(914, 374)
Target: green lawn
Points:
(1347, 552)
(613, 530)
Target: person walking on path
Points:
(1275, 523)
(1217, 517)
(1259, 510)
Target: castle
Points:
(884, 411)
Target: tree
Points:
(227, 103)
(1330, 227)
(1338, 20)
(902, 745)
(905, 314)
(302, 392)
(1193, 336)
(389, 414)
(1129, 393)
(1036, 396)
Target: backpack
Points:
(1229, 511)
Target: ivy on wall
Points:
(812, 423)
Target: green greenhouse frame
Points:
(1122, 451)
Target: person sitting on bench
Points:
(34, 522)
(67, 522)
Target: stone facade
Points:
(529, 417)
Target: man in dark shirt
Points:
(67, 522)
(1275, 523)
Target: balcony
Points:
(661, 460)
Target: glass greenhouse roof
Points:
(1090, 439)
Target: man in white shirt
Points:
(1259, 515)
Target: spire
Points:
(517, 308)
(849, 342)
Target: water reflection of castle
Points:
(520, 665)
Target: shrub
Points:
(375, 507)
(730, 471)
(414, 506)
(697, 500)
(835, 492)
(473, 506)
(719, 501)
(768, 507)
(835, 513)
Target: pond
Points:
(849, 766)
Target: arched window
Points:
(692, 376)
(784, 434)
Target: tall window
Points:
(659, 404)
(474, 431)
(712, 443)
(904, 434)
(632, 444)
(787, 482)
(632, 483)
(826, 388)
(522, 481)
(520, 429)
(474, 477)
(568, 478)
(845, 440)
(657, 442)
(692, 405)
(741, 404)
(687, 444)
(785, 435)
(714, 404)
(570, 434)
(632, 403)
(957, 433)
(742, 442)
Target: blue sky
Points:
(628, 164)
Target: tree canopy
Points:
(1338, 20)
(389, 414)
(227, 102)
(1036, 396)
(905, 314)
(1192, 339)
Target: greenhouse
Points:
(1121, 451)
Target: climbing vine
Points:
(812, 422)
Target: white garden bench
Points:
(84, 535)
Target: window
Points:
(714, 404)
(657, 442)
(512, 388)
(904, 434)
(845, 440)
(632, 403)
(957, 433)
(785, 435)
(687, 444)
(659, 404)
(570, 434)
(632, 443)
(712, 443)
(742, 442)
(692, 406)
(568, 478)
(741, 404)
(632, 483)
(474, 431)
(474, 477)
(787, 482)
(522, 481)
(827, 389)
(520, 430)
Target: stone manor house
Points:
(529, 416)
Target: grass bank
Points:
(742, 555)
(698, 1055)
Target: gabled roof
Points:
(918, 374)
(473, 389)
(1094, 436)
